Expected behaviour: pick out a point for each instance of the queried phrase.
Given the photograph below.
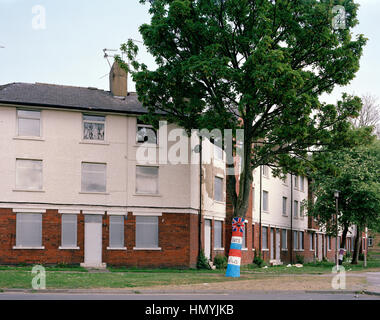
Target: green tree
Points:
(256, 65)
(355, 173)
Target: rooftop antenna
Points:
(107, 55)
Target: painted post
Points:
(234, 258)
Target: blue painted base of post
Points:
(234, 259)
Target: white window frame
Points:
(266, 238)
(295, 209)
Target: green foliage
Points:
(220, 261)
(258, 261)
(257, 65)
(361, 256)
(300, 259)
(203, 262)
(355, 173)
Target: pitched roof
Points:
(68, 97)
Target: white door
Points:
(93, 241)
(278, 246)
(271, 244)
(208, 238)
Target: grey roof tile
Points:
(50, 95)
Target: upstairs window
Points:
(265, 201)
(93, 127)
(146, 133)
(302, 183)
(146, 180)
(29, 123)
(295, 209)
(284, 205)
(218, 189)
(94, 177)
(28, 174)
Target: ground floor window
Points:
(146, 232)
(295, 240)
(301, 245)
(244, 243)
(218, 234)
(29, 230)
(116, 233)
(264, 238)
(284, 240)
(311, 241)
(69, 230)
(329, 242)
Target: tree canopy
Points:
(258, 65)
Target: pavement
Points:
(370, 289)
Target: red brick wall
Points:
(51, 239)
(178, 239)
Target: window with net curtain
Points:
(116, 232)
(146, 232)
(146, 180)
(28, 174)
(69, 231)
(28, 230)
(218, 234)
(93, 127)
(29, 123)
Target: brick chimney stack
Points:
(118, 81)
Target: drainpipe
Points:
(200, 195)
(261, 195)
(291, 218)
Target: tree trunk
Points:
(240, 203)
(357, 246)
(344, 237)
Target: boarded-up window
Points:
(116, 231)
(264, 238)
(93, 177)
(29, 230)
(218, 189)
(29, 123)
(146, 232)
(29, 174)
(265, 201)
(146, 180)
(69, 230)
(218, 234)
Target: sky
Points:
(67, 46)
